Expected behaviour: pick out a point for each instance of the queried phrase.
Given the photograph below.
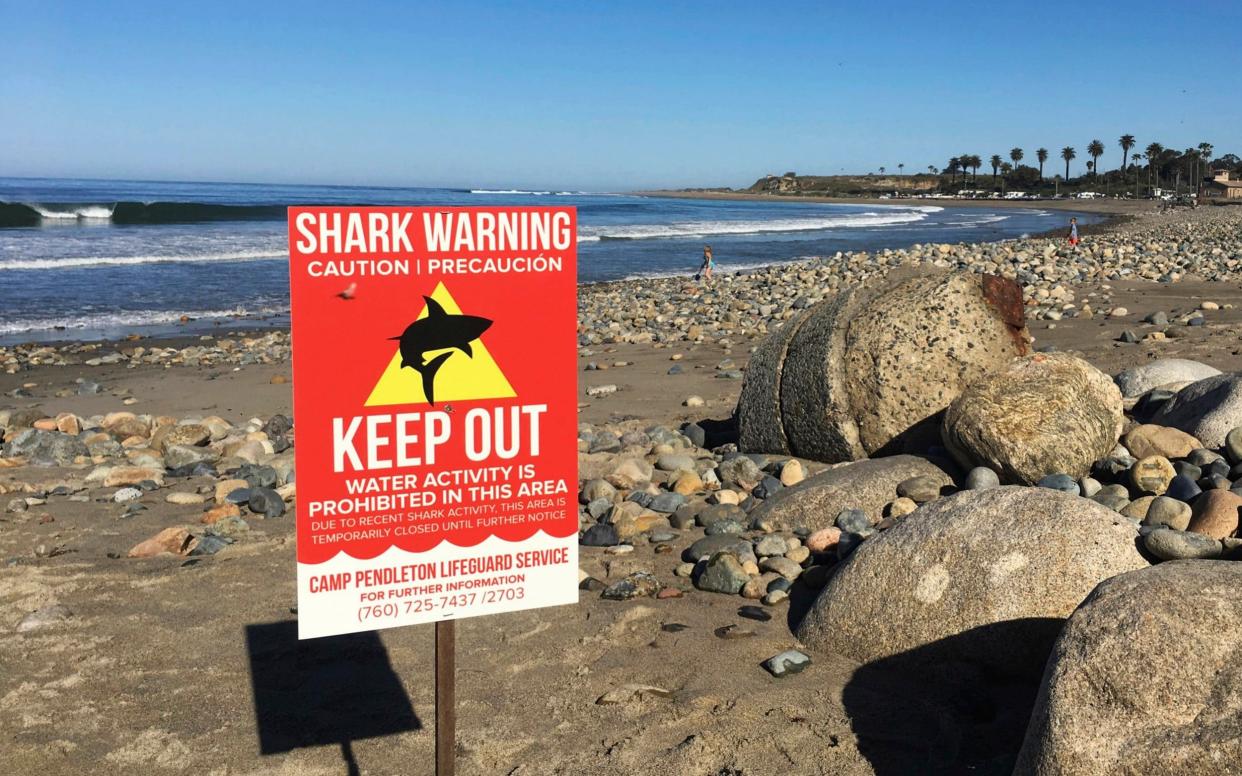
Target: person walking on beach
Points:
(705, 271)
(1073, 233)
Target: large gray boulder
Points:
(1208, 409)
(985, 578)
(867, 485)
(1050, 413)
(1138, 380)
(868, 371)
(1146, 678)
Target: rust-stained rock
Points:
(869, 371)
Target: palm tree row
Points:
(1195, 160)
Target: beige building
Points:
(1220, 187)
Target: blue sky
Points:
(597, 95)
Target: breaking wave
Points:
(36, 213)
(707, 228)
(69, 262)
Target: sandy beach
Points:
(176, 662)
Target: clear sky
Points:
(598, 95)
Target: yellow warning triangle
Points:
(460, 378)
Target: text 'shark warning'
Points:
(434, 407)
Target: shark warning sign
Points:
(434, 406)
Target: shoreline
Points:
(1093, 206)
(1121, 218)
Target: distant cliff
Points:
(791, 183)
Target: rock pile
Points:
(869, 371)
(235, 472)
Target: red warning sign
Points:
(434, 405)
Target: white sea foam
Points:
(514, 191)
(69, 262)
(127, 319)
(88, 212)
(707, 228)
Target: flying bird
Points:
(438, 331)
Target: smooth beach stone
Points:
(1089, 486)
(1168, 512)
(1202, 457)
(981, 477)
(767, 487)
(853, 520)
(1214, 482)
(849, 542)
(1187, 469)
(712, 545)
(714, 513)
(1061, 482)
(725, 527)
(1110, 468)
(1148, 439)
(666, 502)
(599, 535)
(1208, 409)
(1215, 514)
(1152, 474)
(1140, 379)
(722, 574)
(1167, 544)
(1137, 509)
(770, 545)
(1233, 445)
(789, 662)
(640, 584)
(995, 423)
(1183, 488)
(919, 489)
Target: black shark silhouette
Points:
(437, 331)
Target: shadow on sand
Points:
(333, 690)
(925, 711)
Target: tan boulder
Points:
(984, 577)
(1050, 413)
(1144, 678)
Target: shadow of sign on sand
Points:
(333, 690)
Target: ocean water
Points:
(84, 259)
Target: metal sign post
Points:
(446, 701)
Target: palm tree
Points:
(1068, 154)
(1095, 149)
(1042, 155)
(1153, 155)
(881, 170)
(953, 166)
(996, 163)
(1205, 153)
(1016, 155)
(975, 163)
(1126, 142)
(931, 168)
(901, 166)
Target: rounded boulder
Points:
(1044, 414)
(1144, 678)
(984, 577)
